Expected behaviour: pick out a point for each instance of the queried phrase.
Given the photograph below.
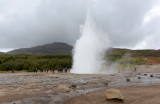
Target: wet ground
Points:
(49, 88)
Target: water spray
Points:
(90, 49)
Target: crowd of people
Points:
(46, 70)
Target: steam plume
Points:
(90, 49)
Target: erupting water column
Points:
(90, 49)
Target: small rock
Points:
(92, 82)
(139, 77)
(84, 83)
(151, 75)
(64, 87)
(128, 80)
(67, 90)
(54, 85)
(145, 74)
(49, 91)
(73, 85)
(55, 93)
(112, 94)
(106, 83)
(113, 75)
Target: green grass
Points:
(4, 71)
(14, 71)
(27, 63)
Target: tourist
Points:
(36, 70)
(135, 70)
(69, 69)
(65, 69)
(53, 70)
(61, 70)
(12, 71)
(47, 70)
(58, 70)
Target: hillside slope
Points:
(127, 56)
(134, 53)
(52, 48)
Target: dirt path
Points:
(132, 95)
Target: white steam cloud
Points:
(90, 49)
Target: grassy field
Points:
(123, 58)
(30, 62)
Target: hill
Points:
(1, 53)
(52, 48)
(126, 56)
(63, 48)
(134, 53)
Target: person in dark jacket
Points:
(65, 69)
(53, 70)
(12, 70)
(47, 70)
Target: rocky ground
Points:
(132, 95)
(49, 88)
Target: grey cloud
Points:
(26, 23)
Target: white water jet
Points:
(90, 49)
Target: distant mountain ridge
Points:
(52, 48)
(63, 48)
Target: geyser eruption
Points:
(90, 49)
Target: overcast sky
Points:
(131, 24)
